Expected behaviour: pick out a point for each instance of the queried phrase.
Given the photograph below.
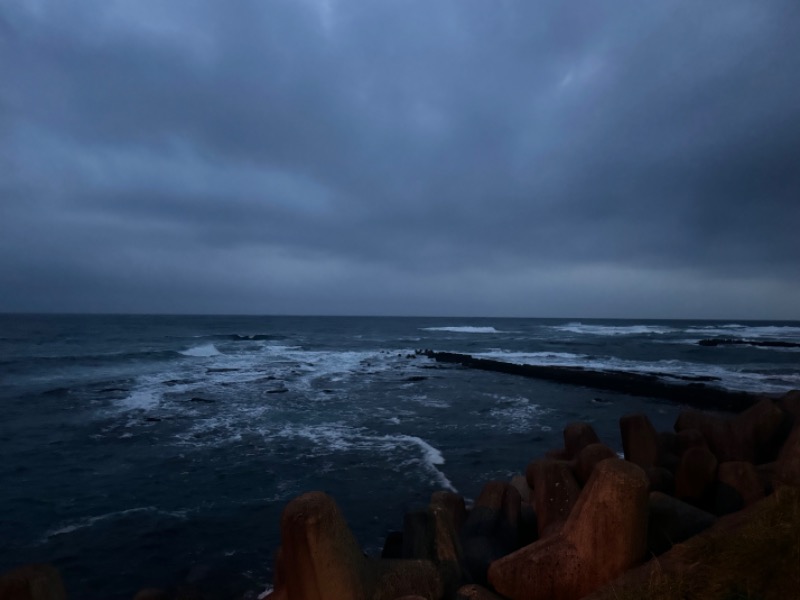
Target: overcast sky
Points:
(589, 158)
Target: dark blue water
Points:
(148, 450)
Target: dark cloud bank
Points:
(460, 157)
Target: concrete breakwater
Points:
(580, 522)
(693, 390)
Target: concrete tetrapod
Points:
(604, 535)
(321, 560)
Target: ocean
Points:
(156, 450)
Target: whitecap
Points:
(202, 351)
(612, 330)
(334, 437)
(424, 400)
(780, 332)
(143, 399)
(432, 458)
(519, 415)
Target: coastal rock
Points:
(577, 436)
(604, 536)
(738, 486)
(555, 492)
(32, 582)
(588, 458)
(639, 440)
(320, 560)
(695, 478)
(492, 528)
(672, 521)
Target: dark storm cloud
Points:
(531, 158)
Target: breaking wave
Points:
(202, 351)
(463, 329)
(613, 330)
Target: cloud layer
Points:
(401, 157)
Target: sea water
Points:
(157, 450)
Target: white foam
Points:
(778, 332)
(90, 521)
(424, 400)
(432, 455)
(463, 329)
(334, 437)
(143, 399)
(202, 351)
(612, 330)
(519, 414)
(431, 458)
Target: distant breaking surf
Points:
(463, 329)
